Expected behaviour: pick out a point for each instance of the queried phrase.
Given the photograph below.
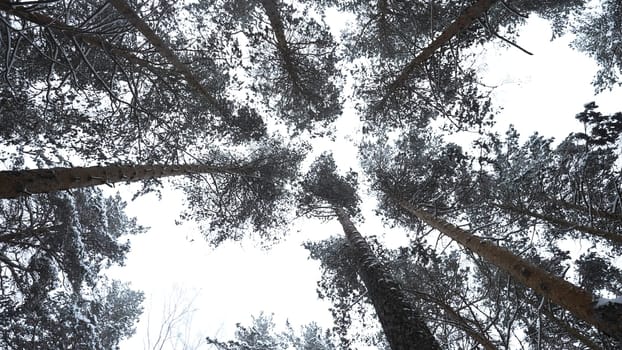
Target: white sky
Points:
(542, 92)
(230, 283)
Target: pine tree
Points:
(227, 196)
(103, 97)
(400, 320)
(576, 300)
(291, 59)
(461, 23)
(124, 9)
(53, 249)
(425, 175)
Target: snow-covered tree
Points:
(53, 249)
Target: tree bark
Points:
(124, 9)
(613, 237)
(461, 23)
(23, 182)
(576, 300)
(401, 322)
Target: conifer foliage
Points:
(204, 92)
(261, 334)
(53, 249)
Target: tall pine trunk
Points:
(23, 182)
(576, 300)
(124, 9)
(401, 322)
(461, 23)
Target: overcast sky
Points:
(540, 93)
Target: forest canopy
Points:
(511, 241)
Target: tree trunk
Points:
(272, 11)
(576, 300)
(23, 182)
(613, 237)
(401, 322)
(162, 47)
(461, 23)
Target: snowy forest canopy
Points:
(232, 99)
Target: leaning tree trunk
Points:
(23, 182)
(124, 9)
(401, 322)
(461, 23)
(576, 300)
